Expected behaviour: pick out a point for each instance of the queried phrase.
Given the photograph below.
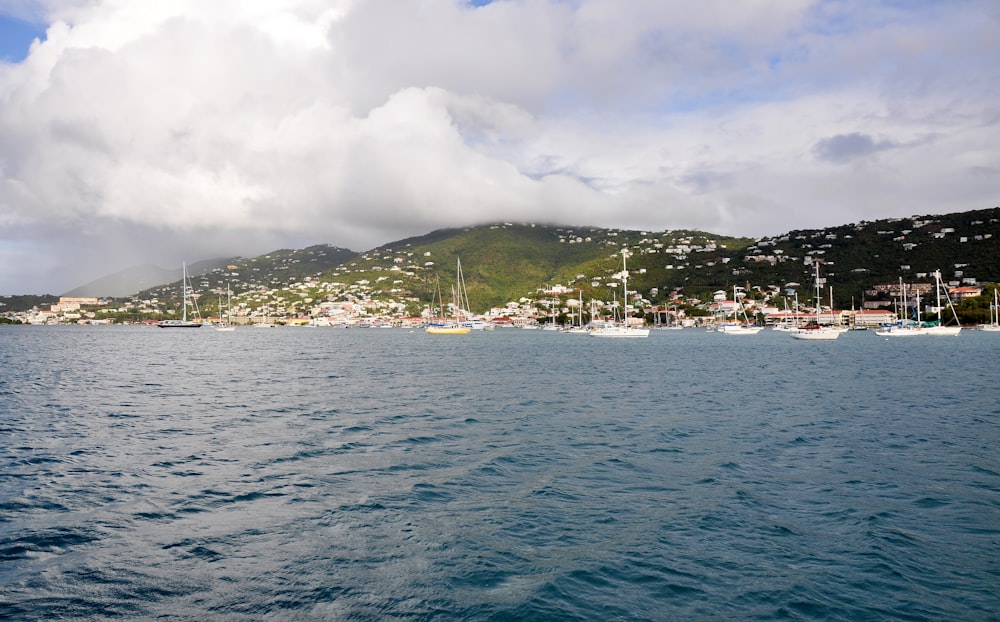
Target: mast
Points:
(902, 301)
(463, 293)
(184, 292)
(831, 305)
(625, 287)
(819, 285)
(937, 293)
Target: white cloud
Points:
(212, 128)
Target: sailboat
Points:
(904, 327)
(448, 326)
(937, 328)
(579, 328)
(227, 325)
(464, 306)
(183, 322)
(994, 325)
(736, 327)
(816, 331)
(621, 329)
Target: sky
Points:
(141, 131)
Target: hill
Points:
(507, 262)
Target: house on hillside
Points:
(966, 291)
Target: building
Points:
(961, 293)
(873, 317)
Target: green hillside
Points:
(505, 262)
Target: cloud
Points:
(847, 147)
(182, 130)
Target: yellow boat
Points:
(441, 326)
(451, 329)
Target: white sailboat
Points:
(226, 326)
(994, 325)
(449, 325)
(578, 328)
(816, 331)
(183, 322)
(621, 329)
(737, 327)
(938, 328)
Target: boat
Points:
(736, 327)
(937, 327)
(669, 324)
(903, 327)
(183, 322)
(578, 328)
(447, 329)
(451, 325)
(226, 326)
(265, 317)
(621, 329)
(994, 325)
(814, 331)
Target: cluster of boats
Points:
(461, 322)
(610, 328)
(904, 327)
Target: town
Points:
(687, 279)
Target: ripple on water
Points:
(376, 475)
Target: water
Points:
(388, 474)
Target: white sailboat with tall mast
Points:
(185, 294)
(994, 325)
(938, 327)
(226, 325)
(737, 327)
(622, 329)
(816, 331)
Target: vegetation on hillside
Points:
(505, 262)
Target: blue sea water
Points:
(393, 475)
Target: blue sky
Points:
(165, 132)
(16, 36)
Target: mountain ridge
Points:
(504, 262)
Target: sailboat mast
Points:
(816, 290)
(831, 305)
(184, 292)
(937, 291)
(625, 287)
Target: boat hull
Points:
(901, 332)
(740, 330)
(448, 330)
(815, 335)
(620, 332)
(943, 331)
